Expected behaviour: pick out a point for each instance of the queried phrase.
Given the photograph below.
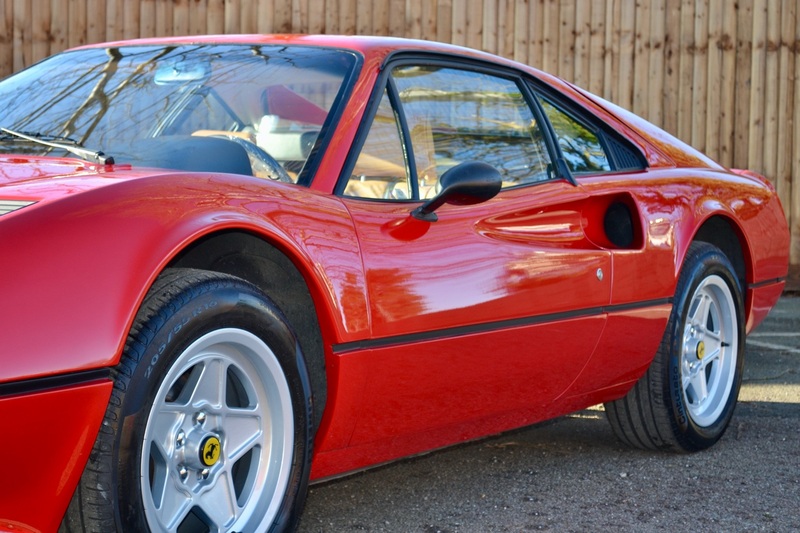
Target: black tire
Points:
(686, 399)
(211, 408)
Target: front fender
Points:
(77, 268)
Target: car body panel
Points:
(498, 315)
(118, 248)
(47, 454)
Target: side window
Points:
(582, 149)
(450, 116)
(380, 171)
(458, 115)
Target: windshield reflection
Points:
(270, 103)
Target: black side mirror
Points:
(467, 183)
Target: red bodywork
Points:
(492, 318)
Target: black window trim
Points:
(586, 119)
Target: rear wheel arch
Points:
(250, 257)
(725, 235)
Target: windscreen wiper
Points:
(63, 143)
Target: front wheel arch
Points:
(251, 258)
(193, 319)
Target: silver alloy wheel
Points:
(709, 351)
(217, 448)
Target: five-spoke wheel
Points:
(208, 427)
(686, 399)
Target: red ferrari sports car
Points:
(234, 265)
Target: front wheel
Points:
(208, 428)
(686, 399)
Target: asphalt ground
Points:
(571, 474)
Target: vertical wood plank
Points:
(41, 18)
(521, 31)
(769, 142)
(299, 16)
(397, 18)
(180, 17)
(316, 16)
(536, 33)
(215, 16)
(490, 21)
(627, 25)
(249, 16)
(130, 20)
(96, 24)
(444, 19)
(700, 79)
(758, 87)
(22, 35)
(414, 18)
(744, 58)
(59, 10)
(582, 35)
(347, 16)
(198, 17)
(332, 10)
(474, 24)
(429, 20)
(728, 103)
(364, 18)
(147, 18)
(641, 65)
(794, 210)
(506, 41)
(655, 45)
(163, 17)
(76, 22)
(611, 63)
(566, 39)
(714, 69)
(6, 37)
(787, 116)
(686, 75)
(380, 17)
(597, 47)
(550, 29)
(459, 22)
(115, 20)
(672, 66)
(282, 13)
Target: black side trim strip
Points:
(765, 283)
(31, 386)
(492, 326)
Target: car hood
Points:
(22, 172)
(28, 180)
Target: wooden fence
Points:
(719, 74)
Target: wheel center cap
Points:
(210, 449)
(701, 349)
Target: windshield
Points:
(248, 109)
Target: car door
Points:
(495, 308)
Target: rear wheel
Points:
(208, 428)
(686, 399)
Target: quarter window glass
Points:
(380, 171)
(581, 147)
(456, 115)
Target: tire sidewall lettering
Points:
(173, 331)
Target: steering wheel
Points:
(263, 164)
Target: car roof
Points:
(369, 46)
